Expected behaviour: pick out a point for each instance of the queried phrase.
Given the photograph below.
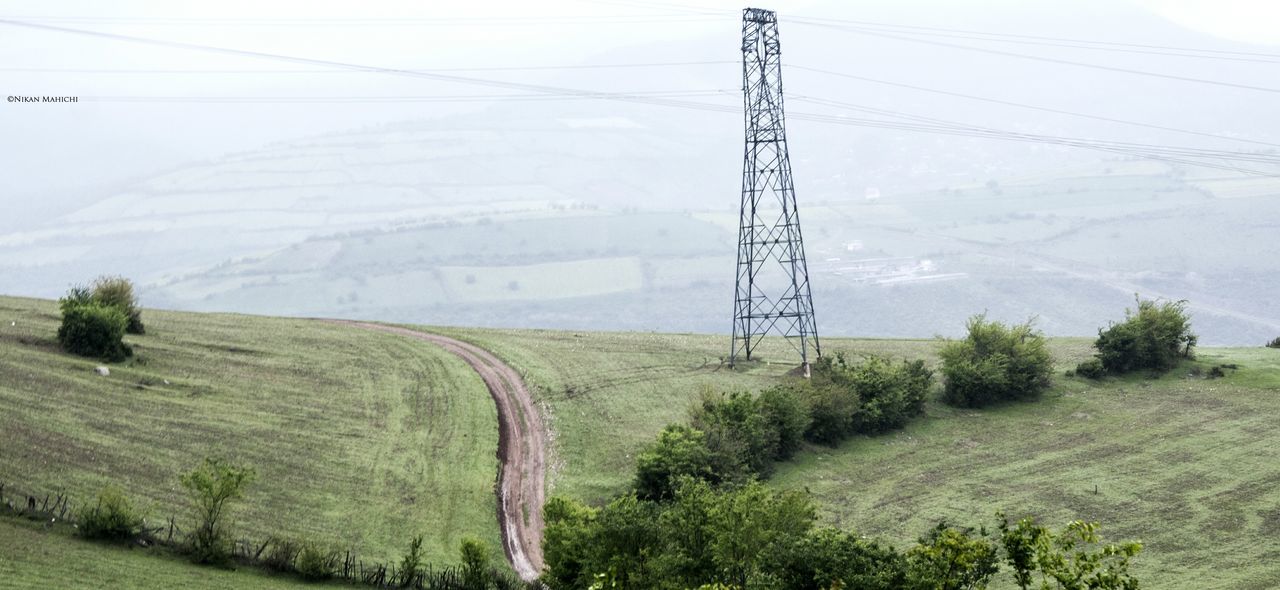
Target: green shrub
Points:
(737, 431)
(831, 410)
(1274, 343)
(117, 292)
(475, 564)
(282, 555)
(411, 563)
(1091, 369)
(317, 563)
(113, 517)
(950, 558)
(788, 415)
(211, 487)
(1155, 337)
(828, 558)
(679, 451)
(995, 363)
(92, 329)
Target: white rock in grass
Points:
(103, 371)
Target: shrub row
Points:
(733, 437)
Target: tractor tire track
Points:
(523, 442)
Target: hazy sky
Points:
(60, 147)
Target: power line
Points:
(350, 71)
(949, 128)
(821, 20)
(406, 98)
(1029, 106)
(364, 22)
(1051, 59)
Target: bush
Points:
(475, 564)
(317, 563)
(1091, 369)
(92, 329)
(995, 363)
(1155, 337)
(282, 555)
(117, 292)
(113, 517)
(1274, 343)
(788, 415)
(737, 433)
(679, 452)
(872, 397)
(411, 563)
(211, 487)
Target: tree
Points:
(211, 487)
(950, 558)
(1157, 336)
(118, 292)
(994, 363)
(828, 558)
(1073, 559)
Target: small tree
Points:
(211, 487)
(1073, 559)
(118, 292)
(995, 362)
(951, 558)
(1154, 337)
(1274, 343)
(787, 415)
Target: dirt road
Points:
(523, 442)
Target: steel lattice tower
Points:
(772, 293)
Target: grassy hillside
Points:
(36, 558)
(1187, 465)
(359, 439)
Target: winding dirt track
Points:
(522, 448)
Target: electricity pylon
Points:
(772, 293)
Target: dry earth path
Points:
(523, 442)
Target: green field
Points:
(1184, 464)
(31, 557)
(360, 439)
(364, 438)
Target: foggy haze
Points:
(586, 172)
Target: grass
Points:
(34, 557)
(359, 439)
(1186, 465)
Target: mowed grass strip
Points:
(359, 439)
(1187, 465)
(34, 558)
